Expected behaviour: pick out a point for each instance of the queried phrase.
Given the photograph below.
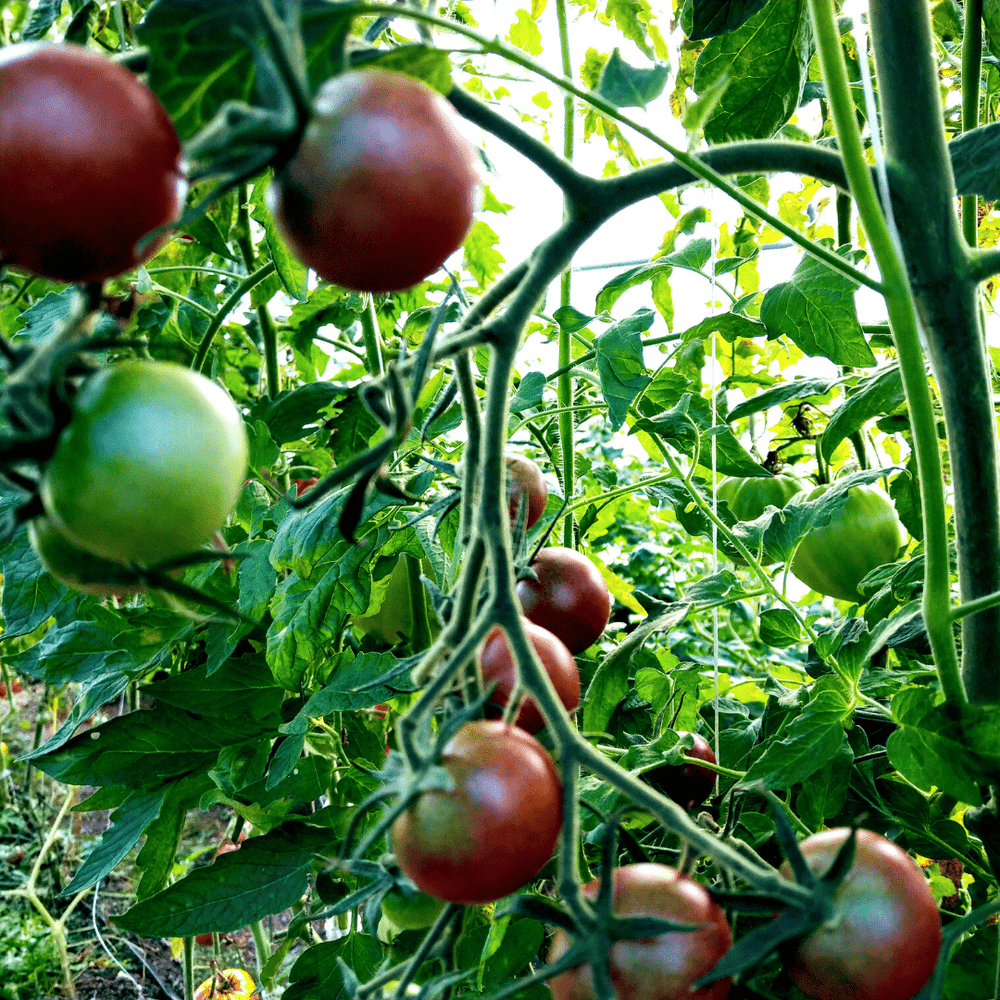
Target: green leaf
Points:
(529, 392)
(929, 748)
(629, 86)
(718, 17)
(242, 687)
(783, 392)
(319, 972)
(767, 60)
(267, 875)
(620, 364)
(351, 686)
(991, 20)
(779, 628)
(974, 156)
(880, 393)
(806, 739)
(816, 311)
(127, 824)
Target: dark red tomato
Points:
(569, 598)
(687, 784)
(493, 833)
(523, 476)
(382, 188)
(659, 968)
(884, 937)
(203, 939)
(89, 164)
(497, 666)
(304, 485)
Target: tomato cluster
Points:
(383, 186)
(90, 163)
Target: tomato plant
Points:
(89, 163)
(149, 466)
(568, 597)
(382, 188)
(497, 666)
(883, 938)
(78, 568)
(492, 833)
(863, 535)
(662, 967)
(687, 784)
(524, 478)
(410, 910)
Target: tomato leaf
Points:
(767, 60)
(880, 393)
(718, 17)
(628, 86)
(267, 875)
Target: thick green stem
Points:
(903, 320)
(972, 68)
(947, 301)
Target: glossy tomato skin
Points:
(524, 476)
(749, 498)
(863, 535)
(687, 784)
(570, 598)
(89, 164)
(149, 466)
(493, 833)
(660, 968)
(497, 666)
(78, 568)
(383, 186)
(884, 938)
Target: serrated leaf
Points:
(816, 311)
(767, 60)
(879, 394)
(628, 86)
(784, 392)
(620, 364)
(779, 628)
(267, 875)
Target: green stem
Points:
(261, 945)
(903, 319)
(225, 309)
(373, 342)
(267, 332)
(187, 967)
(972, 69)
(565, 387)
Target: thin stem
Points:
(972, 69)
(903, 320)
(373, 342)
(565, 387)
(252, 280)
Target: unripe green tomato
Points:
(149, 466)
(863, 535)
(749, 498)
(411, 912)
(78, 569)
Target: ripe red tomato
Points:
(149, 466)
(687, 784)
(382, 188)
(492, 833)
(569, 598)
(884, 937)
(89, 164)
(203, 939)
(523, 476)
(497, 666)
(659, 968)
(304, 485)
